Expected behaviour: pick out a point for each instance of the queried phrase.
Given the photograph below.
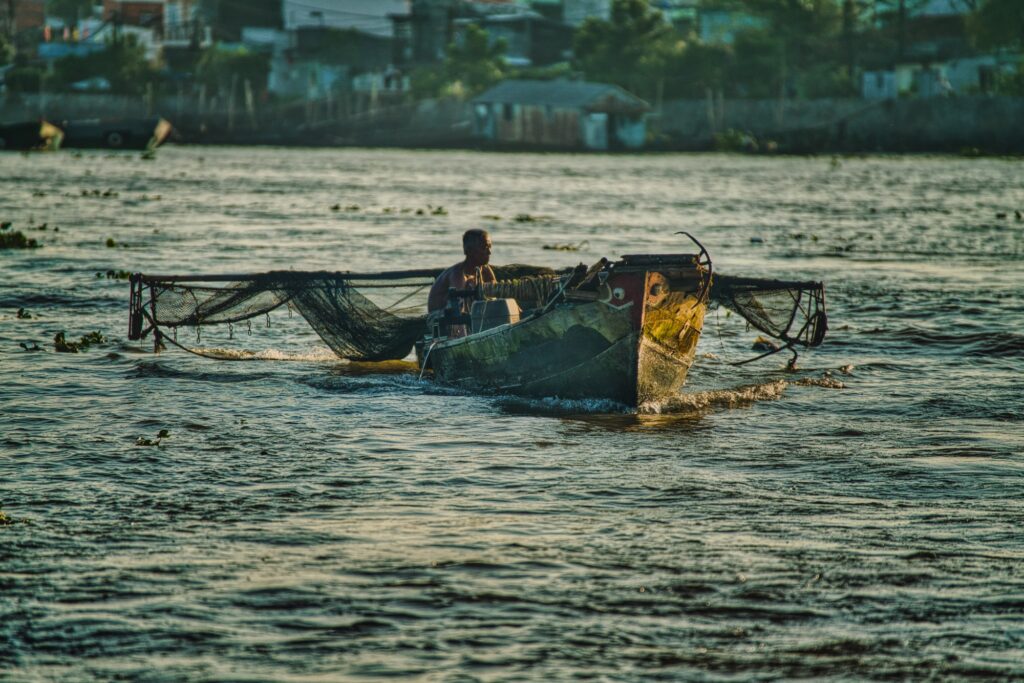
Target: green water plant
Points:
(62, 345)
(161, 435)
(22, 314)
(17, 240)
(114, 275)
(566, 247)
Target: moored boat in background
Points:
(134, 134)
(40, 136)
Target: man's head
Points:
(476, 244)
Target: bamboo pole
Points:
(309, 275)
(231, 102)
(250, 104)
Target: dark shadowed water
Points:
(311, 520)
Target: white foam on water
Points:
(322, 355)
(701, 401)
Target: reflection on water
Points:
(323, 520)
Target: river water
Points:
(305, 519)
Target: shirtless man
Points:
(476, 244)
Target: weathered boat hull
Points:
(40, 136)
(634, 345)
(134, 134)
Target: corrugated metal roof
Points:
(579, 94)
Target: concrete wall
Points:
(903, 125)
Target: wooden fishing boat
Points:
(135, 134)
(625, 331)
(40, 136)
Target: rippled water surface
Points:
(307, 519)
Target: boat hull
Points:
(132, 134)
(632, 347)
(38, 136)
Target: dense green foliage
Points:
(69, 11)
(768, 49)
(218, 69)
(792, 48)
(470, 67)
(634, 49)
(6, 51)
(122, 62)
(999, 24)
(24, 79)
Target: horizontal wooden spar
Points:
(431, 273)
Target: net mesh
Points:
(380, 317)
(791, 311)
(360, 317)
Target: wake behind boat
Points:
(625, 330)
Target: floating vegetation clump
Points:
(161, 435)
(7, 520)
(114, 274)
(108, 193)
(62, 345)
(566, 247)
(15, 239)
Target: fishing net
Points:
(366, 317)
(380, 316)
(793, 312)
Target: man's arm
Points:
(438, 297)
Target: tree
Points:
(217, 68)
(6, 51)
(696, 69)
(69, 11)
(633, 49)
(998, 24)
(122, 62)
(475, 63)
(471, 65)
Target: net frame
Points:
(791, 311)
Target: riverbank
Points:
(973, 125)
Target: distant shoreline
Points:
(966, 126)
